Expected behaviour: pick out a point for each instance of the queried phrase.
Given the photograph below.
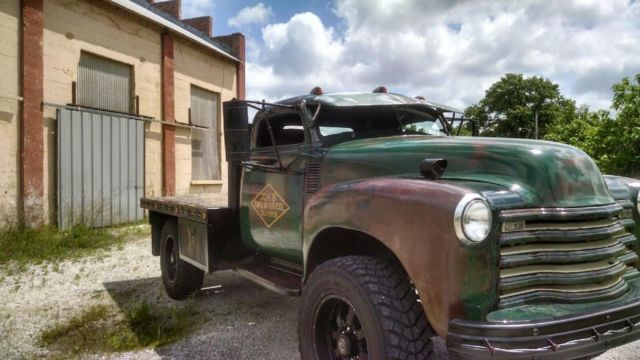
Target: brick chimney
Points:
(202, 23)
(235, 42)
(171, 7)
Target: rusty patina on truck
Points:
(392, 231)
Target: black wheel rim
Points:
(338, 331)
(171, 259)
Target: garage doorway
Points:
(100, 168)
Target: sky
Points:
(449, 51)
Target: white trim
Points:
(17, 98)
(150, 15)
(206, 182)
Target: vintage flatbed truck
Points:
(393, 231)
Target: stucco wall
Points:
(9, 111)
(75, 26)
(197, 66)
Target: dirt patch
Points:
(233, 318)
(40, 296)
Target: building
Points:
(103, 102)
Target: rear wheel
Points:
(180, 278)
(359, 307)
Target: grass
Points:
(24, 246)
(104, 329)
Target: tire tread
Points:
(401, 314)
(189, 277)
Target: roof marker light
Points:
(316, 91)
(380, 90)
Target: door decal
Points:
(269, 205)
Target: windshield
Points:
(419, 122)
(372, 121)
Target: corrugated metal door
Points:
(104, 84)
(100, 168)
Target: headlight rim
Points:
(463, 204)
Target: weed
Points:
(76, 325)
(35, 246)
(157, 326)
(97, 294)
(48, 244)
(134, 229)
(102, 328)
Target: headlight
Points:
(472, 219)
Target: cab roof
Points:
(350, 99)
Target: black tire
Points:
(357, 305)
(180, 278)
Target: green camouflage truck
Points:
(392, 231)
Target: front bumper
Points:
(566, 338)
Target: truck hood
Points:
(546, 174)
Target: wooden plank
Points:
(196, 207)
(209, 201)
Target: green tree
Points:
(511, 105)
(613, 141)
(624, 133)
(582, 131)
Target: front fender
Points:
(632, 185)
(625, 188)
(414, 219)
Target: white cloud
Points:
(294, 57)
(250, 15)
(301, 46)
(195, 8)
(450, 51)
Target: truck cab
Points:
(392, 231)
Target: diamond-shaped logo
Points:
(269, 205)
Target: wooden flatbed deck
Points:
(196, 207)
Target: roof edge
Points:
(137, 9)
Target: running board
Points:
(283, 283)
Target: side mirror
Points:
(236, 130)
(433, 168)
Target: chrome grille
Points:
(566, 255)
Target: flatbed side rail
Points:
(198, 213)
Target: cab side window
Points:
(287, 130)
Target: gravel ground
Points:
(241, 320)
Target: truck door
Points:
(272, 185)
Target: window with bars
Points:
(205, 163)
(104, 84)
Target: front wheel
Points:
(180, 278)
(359, 307)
